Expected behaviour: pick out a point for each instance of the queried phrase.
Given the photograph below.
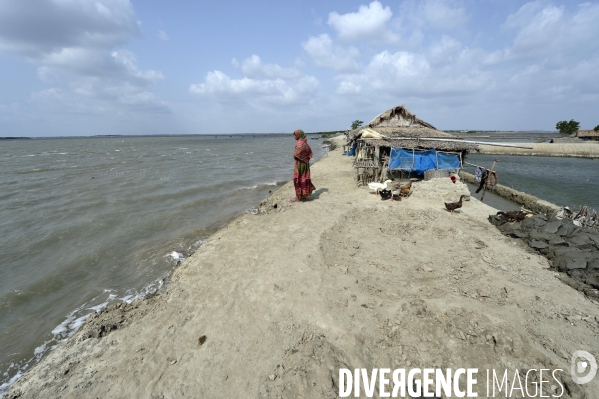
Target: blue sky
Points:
(83, 67)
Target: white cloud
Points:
(253, 67)
(75, 45)
(326, 55)
(444, 52)
(87, 96)
(443, 14)
(443, 69)
(541, 31)
(272, 91)
(428, 16)
(162, 36)
(546, 31)
(127, 60)
(93, 74)
(368, 24)
(35, 27)
(348, 87)
(550, 59)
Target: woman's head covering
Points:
(303, 152)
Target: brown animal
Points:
(405, 190)
(512, 216)
(452, 206)
(402, 190)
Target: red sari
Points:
(301, 171)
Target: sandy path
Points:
(274, 304)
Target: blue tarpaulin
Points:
(352, 151)
(420, 161)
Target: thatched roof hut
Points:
(588, 134)
(398, 141)
(403, 129)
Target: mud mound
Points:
(442, 188)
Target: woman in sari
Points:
(301, 171)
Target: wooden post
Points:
(485, 187)
(377, 164)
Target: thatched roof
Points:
(399, 122)
(417, 143)
(403, 129)
(587, 133)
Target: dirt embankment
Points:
(589, 149)
(276, 303)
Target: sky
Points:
(98, 67)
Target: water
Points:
(88, 221)
(493, 200)
(563, 181)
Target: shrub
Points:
(567, 127)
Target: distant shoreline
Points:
(495, 134)
(576, 150)
(217, 135)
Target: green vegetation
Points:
(356, 124)
(596, 128)
(329, 134)
(567, 128)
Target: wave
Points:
(262, 185)
(74, 321)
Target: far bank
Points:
(589, 149)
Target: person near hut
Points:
(301, 171)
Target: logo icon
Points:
(583, 367)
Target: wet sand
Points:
(276, 303)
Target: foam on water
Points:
(4, 386)
(71, 324)
(177, 256)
